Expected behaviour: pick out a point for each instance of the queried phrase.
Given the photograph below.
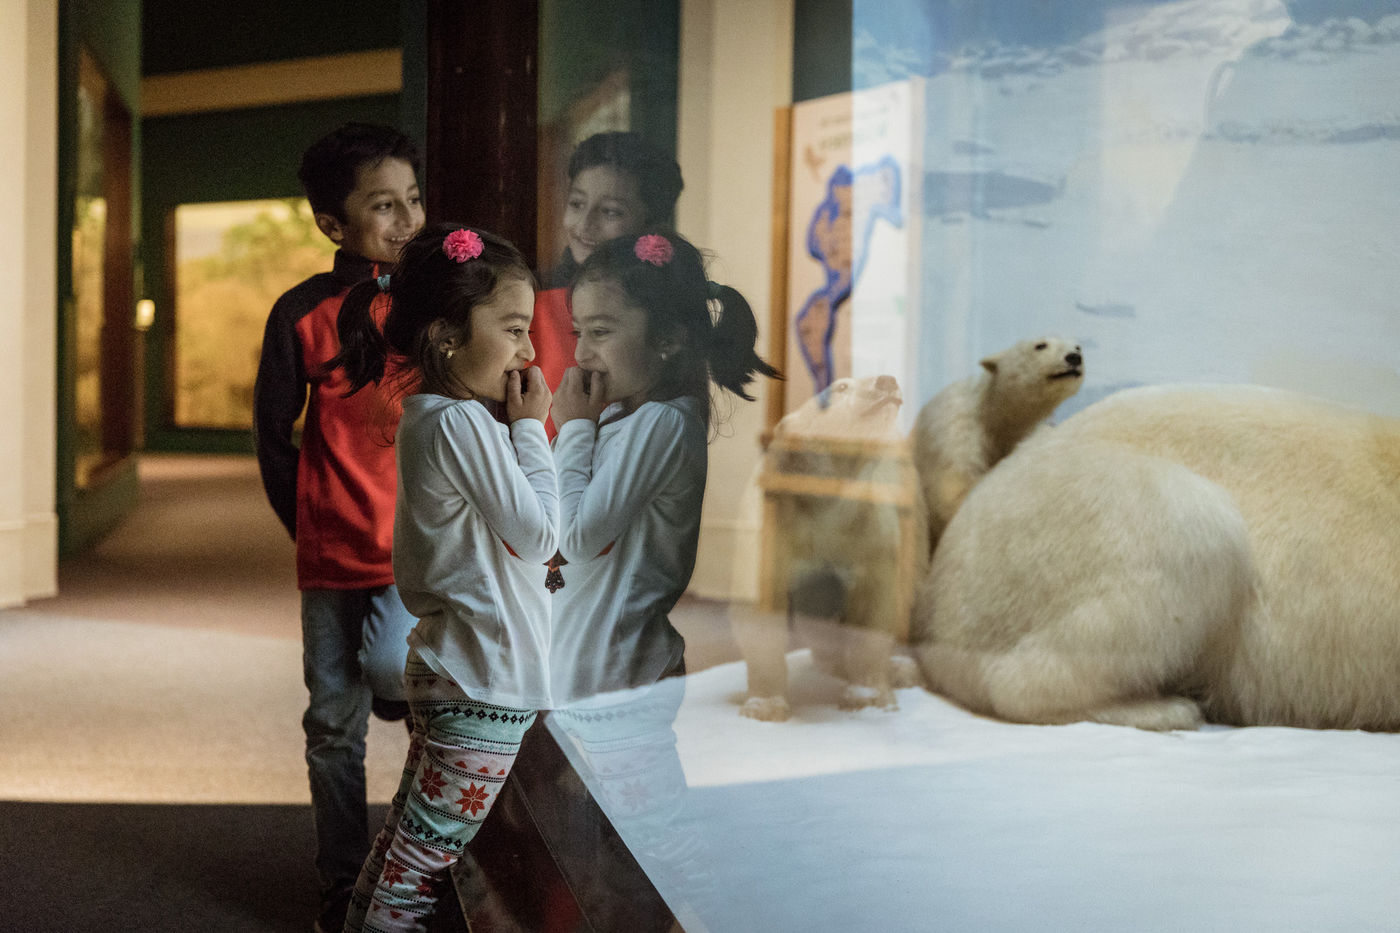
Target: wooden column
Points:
(483, 67)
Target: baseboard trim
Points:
(28, 559)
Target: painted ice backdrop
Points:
(1201, 190)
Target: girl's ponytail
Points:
(363, 349)
(733, 361)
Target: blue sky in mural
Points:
(1196, 190)
(894, 39)
(898, 38)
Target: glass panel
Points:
(1198, 192)
(233, 261)
(603, 67)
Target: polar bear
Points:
(833, 554)
(964, 430)
(848, 409)
(1177, 553)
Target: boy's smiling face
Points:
(382, 213)
(603, 203)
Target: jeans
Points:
(354, 645)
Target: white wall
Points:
(29, 109)
(736, 69)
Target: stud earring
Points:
(447, 351)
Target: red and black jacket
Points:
(334, 494)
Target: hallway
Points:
(176, 647)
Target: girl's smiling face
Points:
(603, 203)
(613, 340)
(499, 342)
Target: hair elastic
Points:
(461, 245)
(383, 282)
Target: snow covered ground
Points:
(930, 818)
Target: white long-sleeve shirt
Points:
(476, 520)
(629, 495)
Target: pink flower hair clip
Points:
(461, 245)
(654, 248)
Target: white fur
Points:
(852, 409)
(964, 430)
(1177, 551)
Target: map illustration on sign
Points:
(838, 238)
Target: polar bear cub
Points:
(964, 430)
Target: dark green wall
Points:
(821, 48)
(227, 156)
(253, 153)
(582, 41)
(186, 36)
(248, 154)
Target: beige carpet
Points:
(102, 711)
(168, 669)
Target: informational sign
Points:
(855, 178)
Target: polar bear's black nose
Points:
(886, 383)
(1073, 359)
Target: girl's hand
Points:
(580, 396)
(527, 396)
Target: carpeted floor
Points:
(151, 772)
(157, 868)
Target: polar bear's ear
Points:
(990, 363)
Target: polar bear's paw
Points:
(1158, 714)
(858, 697)
(766, 709)
(904, 672)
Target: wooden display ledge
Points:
(875, 473)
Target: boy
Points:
(335, 494)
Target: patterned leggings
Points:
(458, 758)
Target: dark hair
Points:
(658, 175)
(426, 288)
(330, 166)
(713, 327)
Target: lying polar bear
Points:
(1175, 553)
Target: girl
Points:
(476, 515)
(633, 422)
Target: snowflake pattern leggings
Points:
(458, 758)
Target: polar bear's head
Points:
(864, 407)
(1043, 370)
